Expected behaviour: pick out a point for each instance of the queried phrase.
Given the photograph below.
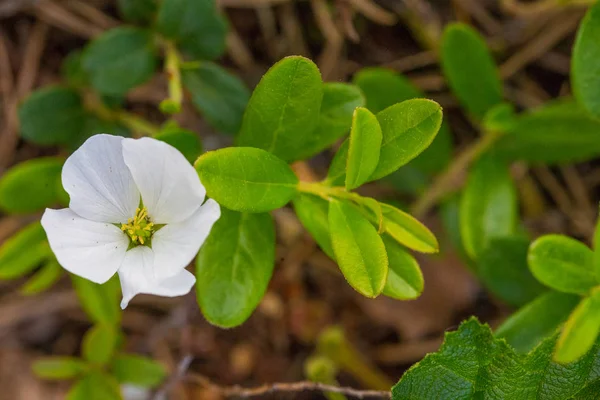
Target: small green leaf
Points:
(408, 128)
(488, 206)
(337, 170)
(196, 26)
(470, 69)
(358, 249)
(284, 109)
(405, 279)
(137, 11)
(138, 370)
(99, 344)
(500, 118)
(31, 185)
(187, 142)
(538, 320)
(100, 302)
(43, 279)
(220, 96)
(58, 368)
(72, 70)
(580, 331)
(407, 230)
(562, 263)
(363, 151)
(51, 116)
(502, 267)
(247, 179)
(120, 59)
(233, 274)
(95, 386)
(384, 88)
(312, 213)
(585, 71)
(24, 251)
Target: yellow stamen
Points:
(139, 228)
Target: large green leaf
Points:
(120, 59)
(137, 370)
(220, 96)
(95, 386)
(247, 179)
(488, 205)
(312, 213)
(407, 230)
(100, 302)
(562, 263)
(233, 274)
(358, 249)
(470, 69)
(24, 251)
(31, 185)
(363, 148)
(99, 344)
(137, 11)
(472, 364)
(585, 71)
(58, 368)
(405, 279)
(284, 109)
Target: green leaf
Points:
(470, 69)
(597, 249)
(24, 251)
(538, 320)
(120, 59)
(247, 179)
(363, 151)
(488, 206)
(99, 344)
(358, 249)
(31, 185)
(557, 132)
(196, 26)
(220, 96)
(43, 279)
(95, 386)
(500, 118)
(72, 70)
(94, 125)
(585, 71)
(58, 368)
(562, 263)
(580, 331)
(335, 117)
(408, 128)
(137, 370)
(384, 88)
(233, 274)
(405, 279)
(187, 142)
(312, 211)
(51, 116)
(137, 11)
(284, 109)
(503, 269)
(337, 170)
(472, 364)
(407, 230)
(100, 302)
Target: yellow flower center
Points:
(139, 228)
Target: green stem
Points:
(172, 105)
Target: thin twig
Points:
(177, 375)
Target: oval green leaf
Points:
(58, 368)
(43, 279)
(24, 251)
(137, 11)
(99, 344)
(407, 230)
(100, 302)
(405, 279)
(384, 88)
(247, 179)
(96, 385)
(585, 71)
(137, 370)
(359, 250)
(363, 148)
(563, 264)
(312, 213)
(233, 274)
(187, 142)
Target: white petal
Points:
(175, 245)
(170, 187)
(92, 250)
(177, 285)
(98, 181)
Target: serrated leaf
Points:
(537, 320)
(407, 230)
(43, 279)
(99, 344)
(405, 279)
(312, 213)
(470, 69)
(187, 142)
(137, 370)
(284, 107)
(472, 364)
(247, 179)
(100, 302)
(120, 59)
(233, 274)
(363, 148)
(562, 263)
(488, 206)
(585, 71)
(24, 251)
(95, 386)
(220, 96)
(58, 368)
(137, 11)
(358, 249)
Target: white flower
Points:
(136, 208)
